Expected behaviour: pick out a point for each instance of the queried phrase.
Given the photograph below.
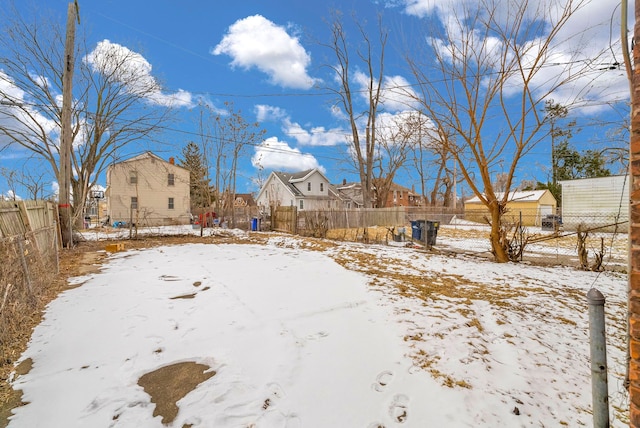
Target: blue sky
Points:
(267, 58)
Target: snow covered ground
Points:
(312, 333)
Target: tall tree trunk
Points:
(498, 244)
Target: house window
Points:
(170, 206)
(171, 179)
(134, 202)
(322, 187)
(301, 204)
(133, 177)
(309, 186)
(400, 193)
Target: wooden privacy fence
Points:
(317, 222)
(29, 254)
(284, 219)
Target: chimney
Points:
(172, 160)
(344, 181)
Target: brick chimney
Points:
(172, 160)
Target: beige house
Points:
(531, 206)
(148, 191)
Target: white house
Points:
(595, 201)
(306, 190)
(148, 191)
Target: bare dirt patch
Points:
(169, 384)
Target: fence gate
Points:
(284, 219)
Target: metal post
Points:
(598, 345)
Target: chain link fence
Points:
(592, 242)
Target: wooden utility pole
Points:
(66, 143)
(634, 229)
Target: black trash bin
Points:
(431, 232)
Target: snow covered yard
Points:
(293, 332)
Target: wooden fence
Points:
(29, 254)
(284, 219)
(317, 223)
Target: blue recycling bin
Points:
(416, 229)
(254, 224)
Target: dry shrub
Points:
(372, 235)
(26, 276)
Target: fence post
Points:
(598, 347)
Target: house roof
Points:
(289, 179)
(522, 196)
(301, 176)
(148, 155)
(247, 197)
(286, 177)
(352, 185)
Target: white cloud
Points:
(134, 71)
(590, 35)
(21, 115)
(267, 113)
(278, 155)
(396, 95)
(389, 124)
(10, 196)
(257, 42)
(316, 136)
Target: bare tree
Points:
(10, 177)
(115, 102)
(34, 180)
(371, 57)
(232, 135)
(396, 138)
(485, 77)
(31, 180)
(440, 148)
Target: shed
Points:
(595, 202)
(530, 205)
